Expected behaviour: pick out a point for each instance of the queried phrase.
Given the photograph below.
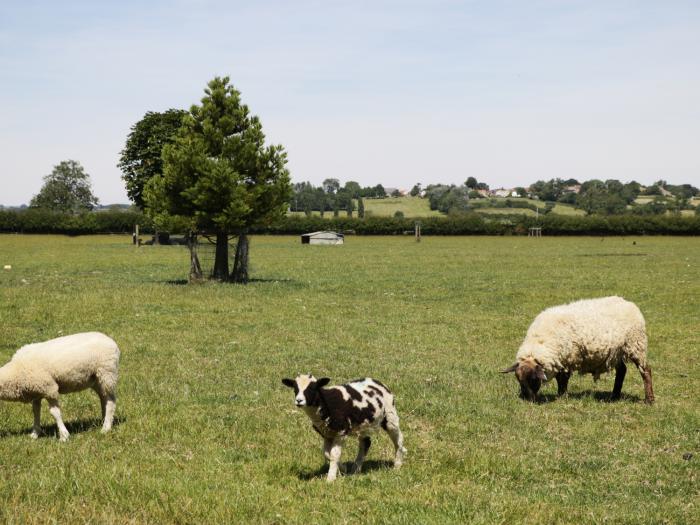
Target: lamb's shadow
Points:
(596, 395)
(74, 427)
(346, 469)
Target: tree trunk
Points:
(221, 257)
(195, 267)
(240, 264)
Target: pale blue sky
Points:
(378, 92)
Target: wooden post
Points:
(417, 231)
(136, 236)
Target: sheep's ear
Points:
(289, 382)
(511, 368)
(539, 373)
(323, 382)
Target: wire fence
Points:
(206, 252)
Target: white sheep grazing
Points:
(357, 408)
(60, 366)
(592, 336)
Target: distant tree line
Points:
(331, 198)
(612, 197)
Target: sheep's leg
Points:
(365, 443)
(55, 411)
(562, 382)
(109, 404)
(36, 429)
(620, 372)
(391, 425)
(648, 388)
(645, 371)
(103, 402)
(336, 449)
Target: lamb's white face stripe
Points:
(303, 381)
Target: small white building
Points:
(322, 237)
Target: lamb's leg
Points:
(620, 372)
(336, 449)
(391, 425)
(645, 371)
(365, 443)
(36, 429)
(55, 411)
(327, 444)
(109, 405)
(562, 382)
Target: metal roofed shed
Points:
(322, 237)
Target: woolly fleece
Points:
(60, 366)
(590, 336)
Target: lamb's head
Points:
(530, 375)
(306, 389)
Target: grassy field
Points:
(410, 206)
(206, 433)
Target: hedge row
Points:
(514, 224)
(42, 221)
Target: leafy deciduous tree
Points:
(67, 189)
(141, 157)
(331, 185)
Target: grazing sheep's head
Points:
(530, 375)
(306, 389)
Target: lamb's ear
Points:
(323, 382)
(539, 373)
(511, 368)
(289, 382)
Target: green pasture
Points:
(410, 206)
(206, 433)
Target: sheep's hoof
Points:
(63, 438)
(105, 430)
(35, 434)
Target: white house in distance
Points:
(323, 237)
(501, 192)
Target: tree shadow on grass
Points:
(177, 282)
(292, 282)
(345, 468)
(596, 395)
(74, 427)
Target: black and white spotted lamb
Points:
(357, 409)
